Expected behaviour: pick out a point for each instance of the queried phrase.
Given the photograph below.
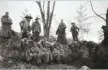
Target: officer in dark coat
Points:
(36, 29)
(6, 25)
(61, 33)
(74, 30)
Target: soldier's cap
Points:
(27, 16)
(37, 18)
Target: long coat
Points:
(61, 34)
(6, 26)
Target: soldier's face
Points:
(62, 21)
(36, 20)
(73, 24)
(6, 13)
(28, 19)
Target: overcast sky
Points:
(63, 10)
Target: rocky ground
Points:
(22, 65)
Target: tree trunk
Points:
(46, 31)
(48, 20)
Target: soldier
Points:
(36, 29)
(25, 26)
(58, 52)
(61, 33)
(6, 25)
(74, 30)
(45, 54)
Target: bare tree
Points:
(105, 27)
(82, 21)
(96, 13)
(24, 13)
(46, 15)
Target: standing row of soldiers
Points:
(26, 29)
(62, 35)
(36, 29)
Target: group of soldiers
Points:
(26, 28)
(38, 49)
(6, 30)
(62, 35)
(45, 52)
(36, 29)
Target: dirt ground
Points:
(22, 65)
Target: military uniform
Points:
(6, 26)
(36, 29)
(61, 34)
(25, 27)
(44, 54)
(74, 30)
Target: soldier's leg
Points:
(46, 57)
(76, 37)
(28, 56)
(50, 57)
(73, 37)
(37, 36)
(58, 58)
(38, 60)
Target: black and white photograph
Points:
(54, 34)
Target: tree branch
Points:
(51, 14)
(44, 8)
(48, 13)
(96, 13)
(41, 10)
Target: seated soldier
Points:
(31, 51)
(26, 45)
(34, 54)
(14, 40)
(14, 45)
(84, 50)
(61, 50)
(57, 53)
(44, 54)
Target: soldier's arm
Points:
(21, 24)
(2, 19)
(77, 28)
(11, 21)
(32, 26)
(40, 27)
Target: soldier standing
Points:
(36, 29)
(74, 30)
(25, 26)
(61, 33)
(6, 25)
